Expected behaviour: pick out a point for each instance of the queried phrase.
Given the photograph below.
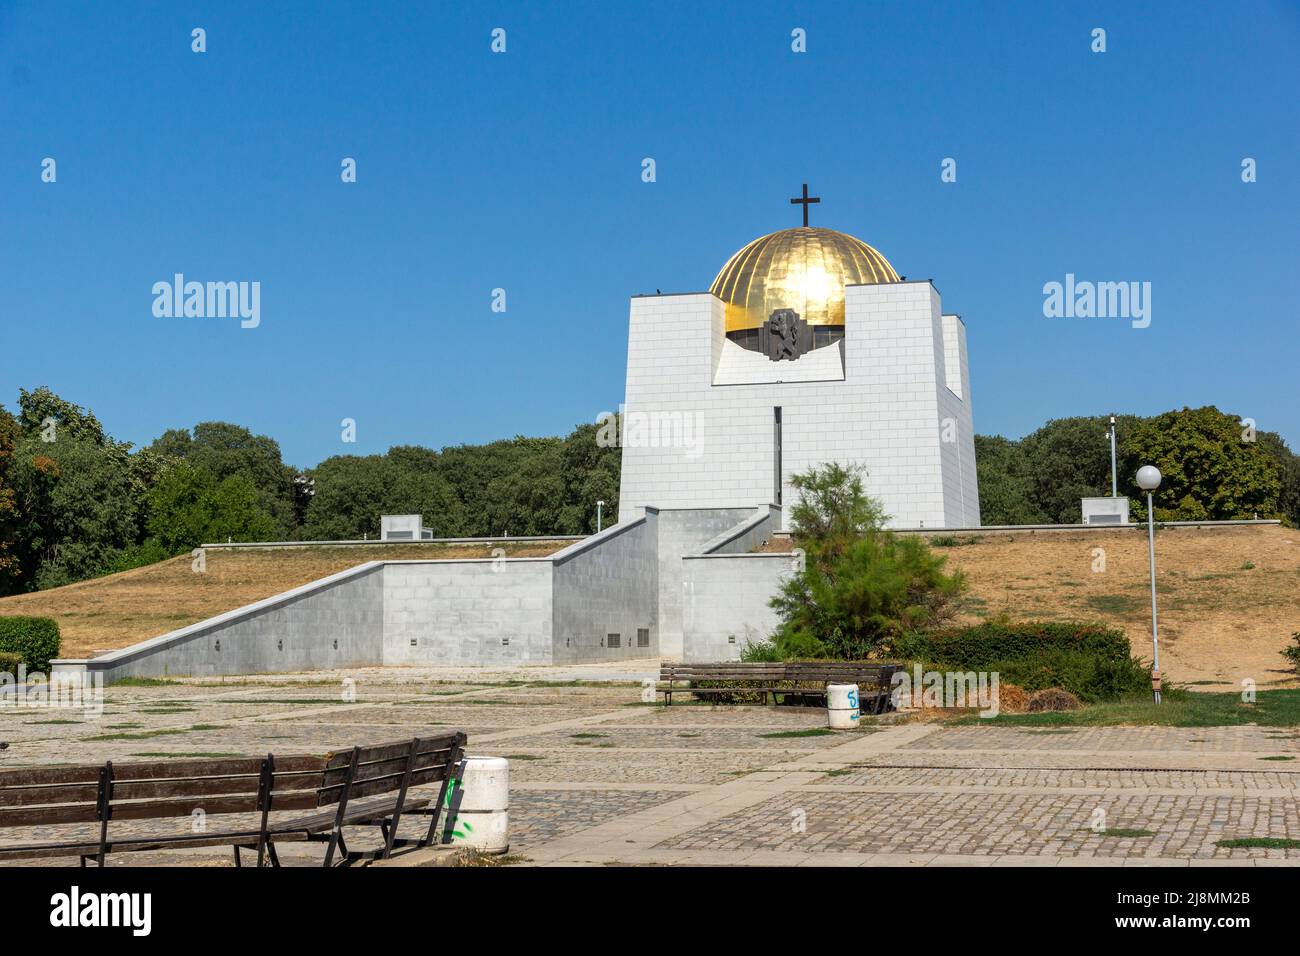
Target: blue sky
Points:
(522, 171)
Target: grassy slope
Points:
(1272, 708)
(121, 609)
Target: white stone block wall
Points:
(477, 611)
(607, 584)
(681, 532)
(886, 414)
(725, 603)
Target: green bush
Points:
(760, 652)
(1292, 653)
(986, 643)
(1091, 661)
(34, 639)
(9, 662)
(853, 596)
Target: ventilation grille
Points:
(613, 640)
(643, 637)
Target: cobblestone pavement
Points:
(600, 776)
(1021, 823)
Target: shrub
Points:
(34, 639)
(860, 584)
(852, 597)
(9, 662)
(760, 652)
(1091, 661)
(1051, 698)
(992, 641)
(1292, 653)
(742, 695)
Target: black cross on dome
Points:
(806, 201)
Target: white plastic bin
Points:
(842, 706)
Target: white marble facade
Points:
(700, 422)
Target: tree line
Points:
(76, 503)
(1215, 466)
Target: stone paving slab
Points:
(571, 765)
(540, 816)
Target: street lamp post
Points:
(600, 506)
(1148, 479)
(1114, 483)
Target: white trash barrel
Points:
(481, 817)
(842, 706)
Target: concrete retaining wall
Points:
(681, 532)
(337, 621)
(725, 602)
(607, 585)
(482, 611)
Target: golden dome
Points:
(803, 269)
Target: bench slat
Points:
(166, 769)
(381, 752)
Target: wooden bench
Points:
(801, 680)
(333, 787)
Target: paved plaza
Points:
(599, 777)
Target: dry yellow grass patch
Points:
(121, 609)
(1220, 620)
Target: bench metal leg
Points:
(449, 789)
(336, 835)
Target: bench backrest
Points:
(366, 771)
(797, 671)
(177, 788)
(722, 672)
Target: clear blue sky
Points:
(522, 171)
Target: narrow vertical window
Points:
(776, 456)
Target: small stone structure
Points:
(403, 528)
(1108, 511)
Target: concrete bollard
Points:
(479, 814)
(842, 707)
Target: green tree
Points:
(352, 492)
(78, 504)
(189, 506)
(225, 450)
(591, 473)
(860, 585)
(1209, 468)
(1006, 483)
(1288, 466)
(1069, 459)
(41, 405)
(10, 434)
